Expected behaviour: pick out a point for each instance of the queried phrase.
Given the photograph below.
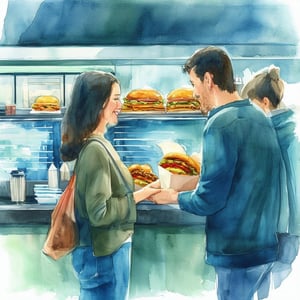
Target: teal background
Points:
(163, 259)
(166, 260)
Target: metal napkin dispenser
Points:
(17, 186)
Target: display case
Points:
(46, 44)
(137, 136)
(29, 143)
(27, 72)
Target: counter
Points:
(165, 260)
(130, 139)
(165, 241)
(30, 212)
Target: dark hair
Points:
(215, 61)
(267, 84)
(90, 91)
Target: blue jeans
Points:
(243, 283)
(102, 277)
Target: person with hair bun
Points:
(266, 90)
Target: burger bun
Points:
(181, 93)
(143, 100)
(142, 174)
(46, 103)
(182, 99)
(144, 94)
(185, 158)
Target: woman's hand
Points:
(147, 191)
(154, 184)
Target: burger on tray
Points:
(142, 175)
(179, 171)
(143, 100)
(46, 104)
(182, 99)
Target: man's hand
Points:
(165, 196)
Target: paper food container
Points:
(137, 187)
(179, 183)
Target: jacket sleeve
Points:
(104, 207)
(219, 159)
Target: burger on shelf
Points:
(182, 99)
(143, 100)
(142, 174)
(46, 103)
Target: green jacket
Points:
(105, 209)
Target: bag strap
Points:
(129, 190)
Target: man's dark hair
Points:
(214, 61)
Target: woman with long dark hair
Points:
(105, 204)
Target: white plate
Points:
(45, 112)
(47, 195)
(46, 200)
(46, 191)
(42, 186)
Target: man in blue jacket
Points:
(239, 187)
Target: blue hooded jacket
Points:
(284, 122)
(239, 187)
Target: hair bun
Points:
(274, 73)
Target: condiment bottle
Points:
(64, 172)
(52, 177)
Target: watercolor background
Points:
(167, 262)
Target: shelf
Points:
(122, 116)
(150, 214)
(32, 117)
(161, 115)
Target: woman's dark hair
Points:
(214, 61)
(90, 91)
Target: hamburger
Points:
(182, 99)
(180, 164)
(46, 103)
(143, 100)
(142, 174)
